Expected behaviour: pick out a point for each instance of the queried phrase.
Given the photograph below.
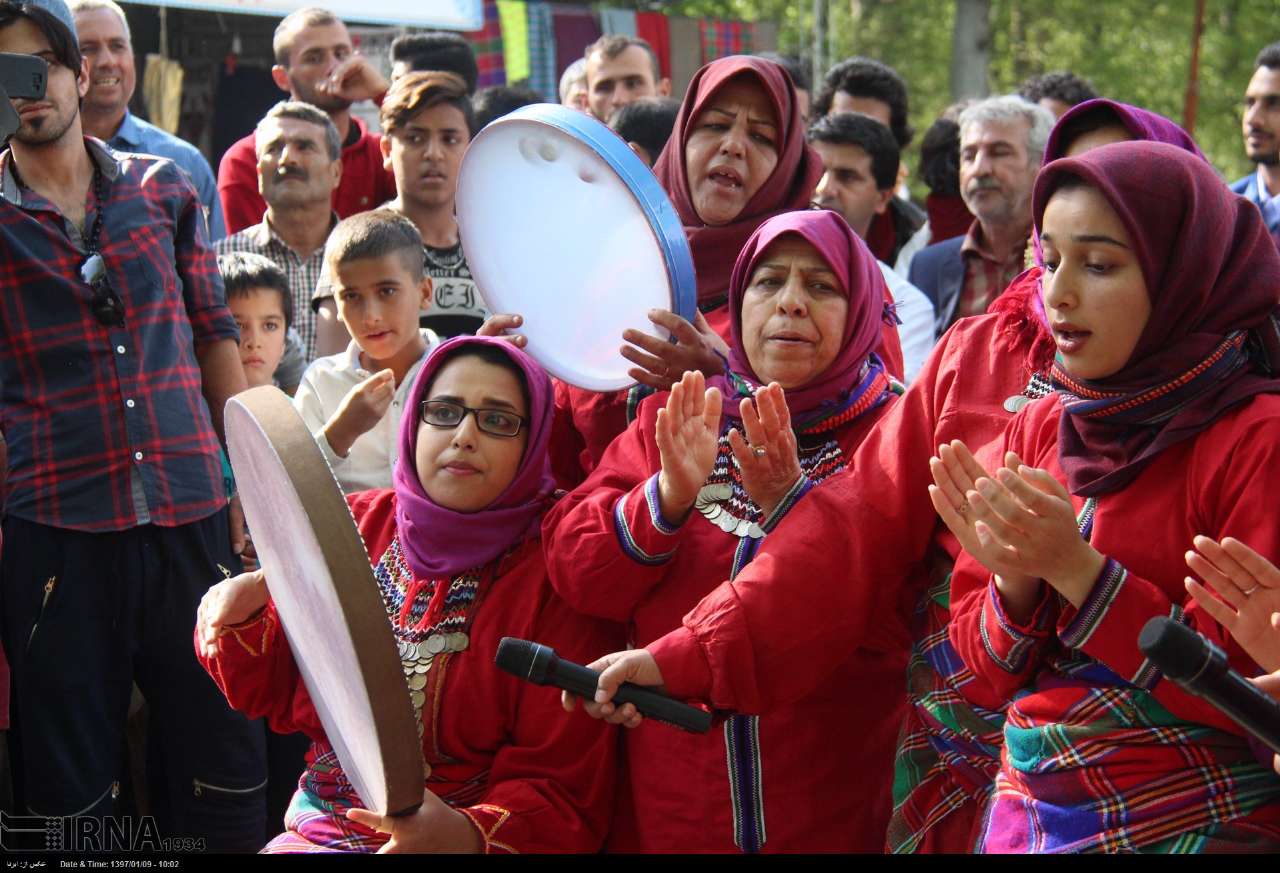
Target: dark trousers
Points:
(85, 616)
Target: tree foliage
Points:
(1136, 51)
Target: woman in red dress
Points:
(681, 500)
(1160, 285)
(459, 566)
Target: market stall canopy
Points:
(448, 14)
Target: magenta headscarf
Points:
(1213, 275)
(441, 542)
(862, 283)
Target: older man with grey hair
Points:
(299, 168)
(1002, 141)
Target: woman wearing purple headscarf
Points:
(459, 566)
(683, 498)
(1160, 287)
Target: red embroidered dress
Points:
(772, 783)
(529, 776)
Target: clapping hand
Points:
(688, 435)
(1249, 587)
(768, 455)
(1019, 524)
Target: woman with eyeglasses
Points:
(458, 562)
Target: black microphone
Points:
(1201, 668)
(540, 665)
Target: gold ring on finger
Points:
(759, 451)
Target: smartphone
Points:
(23, 75)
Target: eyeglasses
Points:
(106, 305)
(446, 413)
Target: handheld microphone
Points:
(540, 665)
(1200, 667)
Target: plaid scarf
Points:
(723, 38)
(487, 45)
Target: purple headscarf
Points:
(862, 284)
(1213, 277)
(441, 542)
(1143, 124)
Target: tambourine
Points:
(321, 581)
(563, 224)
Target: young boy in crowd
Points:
(352, 401)
(258, 297)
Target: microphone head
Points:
(1176, 649)
(525, 659)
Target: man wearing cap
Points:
(107, 46)
(117, 355)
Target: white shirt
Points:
(916, 333)
(372, 458)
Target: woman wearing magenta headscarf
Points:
(683, 499)
(1159, 286)
(458, 563)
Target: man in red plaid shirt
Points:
(117, 354)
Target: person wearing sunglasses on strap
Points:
(117, 354)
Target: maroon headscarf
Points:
(442, 542)
(1143, 124)
(1213, 276)
(789, 187)
(861, 282)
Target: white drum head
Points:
(564, 225)
(320, 578)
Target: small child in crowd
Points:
(258, 297)
(353, 401)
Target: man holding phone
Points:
(117, 354)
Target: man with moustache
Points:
(299, 167)
(1261, 124)
(117, 355)
(107, 45)
(1001, 142)
(316, 64)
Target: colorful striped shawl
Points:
(1119, 773)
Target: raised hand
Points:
(662, 363)
(767, 456)
(687, 434)
(636, 666)
(499, 323)
(360, 411)
(355, 79)
(230, 602)
(1249, 587)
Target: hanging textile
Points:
(514, 21)
(162, 92)
(575, 29)
(652, 27)
(686, 52)
(487, 45)
(618, 22)
(543, 70)
(723, 38)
